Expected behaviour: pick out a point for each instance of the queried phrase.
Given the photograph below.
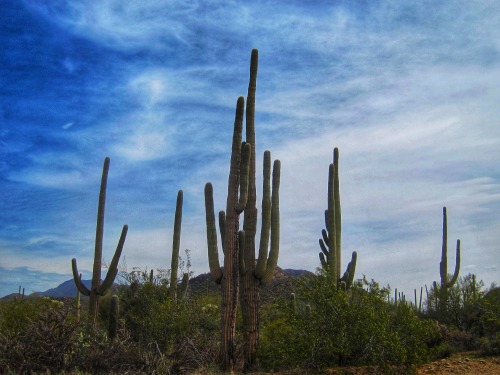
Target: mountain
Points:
(66, 289)
(281, 285)
(201, 284)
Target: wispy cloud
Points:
(408, 92)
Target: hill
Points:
(281, 285)
(201, 284)
(66, 289)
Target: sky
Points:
(408, 91)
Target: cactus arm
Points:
(222, 229)
(322, 259)
(260, 268)
(241, 245)
(78, 280)
(324, 234)
(348, 276)
(457, 266)
(272, 262)
(113, 267)
(236, 166)
(96, 273)
(244, 174)
(174, 264)
(213, 253)
(323, 248)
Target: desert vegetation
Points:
(253, 316)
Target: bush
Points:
(36, 336)
(356, 327)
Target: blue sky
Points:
(408, 91)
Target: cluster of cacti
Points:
(174, 265)
(232, 238)
(97, 289)
(254, 273)
(330, 244)
(240, 264)
(447, 283)
(400, 298)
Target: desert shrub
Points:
(354, 327)
(463, 306)
(18, 314)
(36, 336)
(490, 322)
(94, 353)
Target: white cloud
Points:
(50, 179)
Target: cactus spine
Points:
(231, 236)
(175, 253)
(253, 274)
(330, 244)
(97, 289)
(443, 266)
(114, 312)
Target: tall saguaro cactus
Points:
(443, 266)
(97, 289)
(252, 274)
(232, 238)
(174, 265)
(330, 244)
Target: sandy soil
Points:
(461, 363)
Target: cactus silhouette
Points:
(443, 266)
(231, 237)
(330, 244)
(97, 289)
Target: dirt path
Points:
(463, 363)
(458, 364)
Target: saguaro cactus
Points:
(443, 266)
(174, 265)
(255, 274)
(330, 244)
(97, 289)
(232, 238)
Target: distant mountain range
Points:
(200, 284)
(66, 289)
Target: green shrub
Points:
(36, 336)
(357, 327)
